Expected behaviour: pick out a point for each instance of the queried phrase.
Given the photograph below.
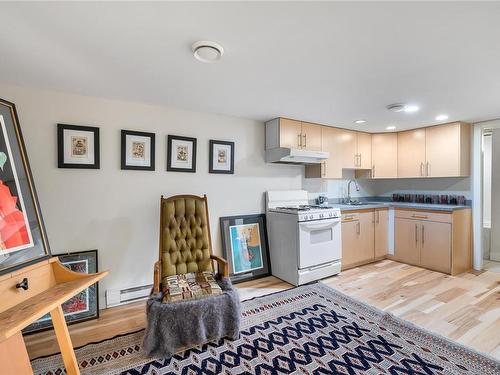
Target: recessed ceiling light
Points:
(391, 127)
(359, 121)
(401, 107)
(441, 117)
(207, 51)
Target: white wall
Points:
(487, 180)
(117, 211)
(495, 198)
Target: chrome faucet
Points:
(349, 190)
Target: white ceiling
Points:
(331, 63)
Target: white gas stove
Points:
(304, 240)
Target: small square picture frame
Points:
(221, 157)
(78, 147)
(137, 150)
(181, 154)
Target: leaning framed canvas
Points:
(78, 146)
(23, 240)
(244, 245)
(181, 154)
(221, 157)
(138, 150)
(81, 307)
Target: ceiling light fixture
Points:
(391, 127)
(441, 117)
(401, 107)
(359, 121)
(207, 51)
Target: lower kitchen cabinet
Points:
(358, 245)
(406, 243)
(434, 240)
(381, 232)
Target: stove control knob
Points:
(310, 217)
(321, 216)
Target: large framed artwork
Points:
(221, 157)
(181, 154)
(138, 150)
(244, 245)
(78, 146)
(23, 240)
(81, 307)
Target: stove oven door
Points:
(319, 242)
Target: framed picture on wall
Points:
(23, 240)
(221, 157)
(244, 245)
(77, 146)
(81, 307)
(181, 154)
(137, 150)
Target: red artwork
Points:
(13, 231)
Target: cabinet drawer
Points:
(350, 216)
(440, 217)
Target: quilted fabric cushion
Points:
(184, 241)
(189, 286)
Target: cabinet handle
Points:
(378, 217)
(373, 171)
(359, 165)
(421, 169)
(428, 169)
(420, 216)
(305, 140)
(324, 169)
(299, 140)
(416, 234)
(423, 236)
(358, 228)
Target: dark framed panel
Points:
(137, 150)
(181, 154)
(23, 239)
(221, 157)
(81, 307)
(78, 147)
(245, 246)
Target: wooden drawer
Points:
(350, 216)
(424, 215)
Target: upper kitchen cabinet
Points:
(411, 153)
(447, 149)
(364, 150)
(385, 155)
(356, 149)
(287, 133)
(311, 136)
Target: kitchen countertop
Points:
(418, 206)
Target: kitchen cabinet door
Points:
(290, 133)
(367, 236)
(447, 150)
(351, 249)
(348, 140)
(385, 155)
(411, 153)
(311, 136)
(331, 142)
(364, 150)
(435, 239)
(407, 240)
(381, 228)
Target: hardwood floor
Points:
(465, 308)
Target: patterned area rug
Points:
(311, 329)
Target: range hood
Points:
(295, 156)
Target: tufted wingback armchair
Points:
(185, 242)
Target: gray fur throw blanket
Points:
(184, 324)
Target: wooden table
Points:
(50, 285)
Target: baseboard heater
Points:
(115, 297)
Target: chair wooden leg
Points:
(64, 341)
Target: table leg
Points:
(64, 341)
